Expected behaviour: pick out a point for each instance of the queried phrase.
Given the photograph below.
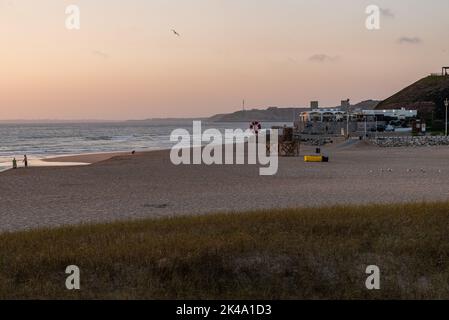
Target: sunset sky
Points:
(126, 63)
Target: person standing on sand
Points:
(14, 163)
(25, 161)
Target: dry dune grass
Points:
(279, 254)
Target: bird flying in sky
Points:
(175, 33)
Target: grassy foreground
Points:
(290, 254)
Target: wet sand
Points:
(86, 158)
(148, 185)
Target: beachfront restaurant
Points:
(334, 120)
(322, 115)
(330, 115)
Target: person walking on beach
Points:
(14, 163)
(25, 161)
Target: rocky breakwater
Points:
(418, 141)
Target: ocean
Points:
(44, 140)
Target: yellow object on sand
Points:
(313, 158)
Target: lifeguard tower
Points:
(288, 142)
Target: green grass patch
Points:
(278, 254)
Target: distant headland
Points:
(276, 114)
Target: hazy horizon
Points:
(125, 63)
(248, 108)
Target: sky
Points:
(126, 63)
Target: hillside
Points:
(277, 114)
(426, 96)
(366, 105)
(271, 114)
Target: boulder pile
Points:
(418, 141)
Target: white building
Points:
(336, 115)
(399, 114)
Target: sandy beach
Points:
(148, 185)
(85, 158)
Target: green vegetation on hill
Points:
(426, 95)
(303, 253)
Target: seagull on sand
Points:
(175, 33)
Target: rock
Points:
(419, 141)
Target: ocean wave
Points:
(76, 138)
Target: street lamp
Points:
(446, 103)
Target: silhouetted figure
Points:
(134, 152)
(25, 161)
(14, 163)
